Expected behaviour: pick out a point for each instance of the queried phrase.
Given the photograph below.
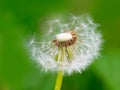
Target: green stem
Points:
(59, 81)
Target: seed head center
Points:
(64, 37)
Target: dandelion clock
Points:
(70, 44)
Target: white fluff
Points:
(85, 50)
(64, 37)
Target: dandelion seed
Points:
(70, 50)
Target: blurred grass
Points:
(110, 69)
(19, 18)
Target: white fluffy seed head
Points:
(74, 57)
(63, 37)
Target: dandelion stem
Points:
(59, 81)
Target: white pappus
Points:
(71, 45)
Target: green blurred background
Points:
(19, 18)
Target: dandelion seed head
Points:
(71, 45)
